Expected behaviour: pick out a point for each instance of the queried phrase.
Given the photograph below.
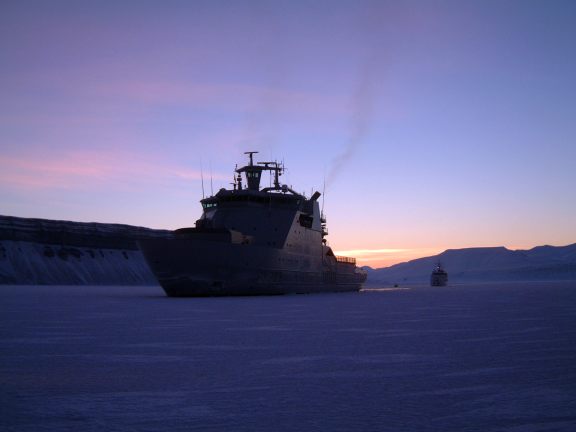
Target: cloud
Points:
(88, 168)
(218, 96)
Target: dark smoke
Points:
(363, 98)
(362, 104)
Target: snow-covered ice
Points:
(470, 358)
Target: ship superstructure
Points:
(439, 277)
(252, 241)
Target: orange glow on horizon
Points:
(377, 258)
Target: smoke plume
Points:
(362, 110)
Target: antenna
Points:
(276, 175)
(211, 187)
(202, 178)
(323, 195)
(250, 153)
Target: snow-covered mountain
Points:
(487, 264)
(41, 251)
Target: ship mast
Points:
(253, 174)
(250, 153)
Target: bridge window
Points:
(305, 221)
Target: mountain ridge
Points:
(485, 264)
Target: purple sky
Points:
(437, 124)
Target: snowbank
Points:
(39, 251)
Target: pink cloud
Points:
(85, 168)
(222, 96)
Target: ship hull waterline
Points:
(196, 268)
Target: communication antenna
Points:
(211, 187)
(202, 178)
(323, 195)
(234, 177)
(251, 153)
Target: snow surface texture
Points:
(40, 252)
(491, 358)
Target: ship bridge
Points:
(269, 214)
(252, 172)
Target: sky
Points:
(433, 124)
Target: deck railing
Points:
(347, 260)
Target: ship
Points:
(439, 276)
(253, 241)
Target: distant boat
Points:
(439, 276)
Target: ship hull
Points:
(187, 287)
(200, 268)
